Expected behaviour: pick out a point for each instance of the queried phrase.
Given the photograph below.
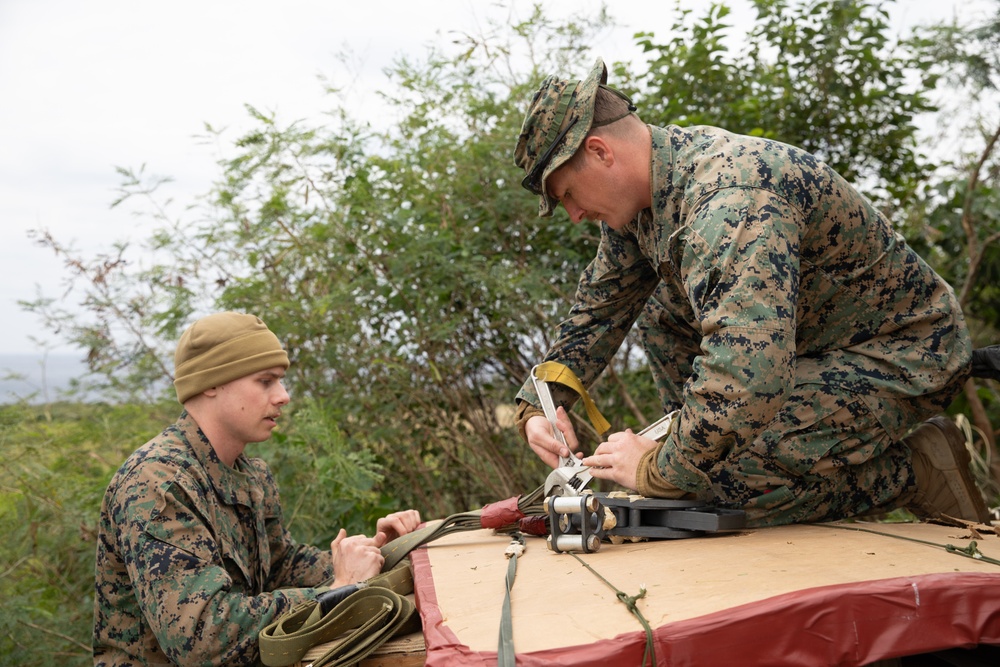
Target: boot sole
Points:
(956, 459)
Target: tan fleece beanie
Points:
(221, 348)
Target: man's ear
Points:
(211, 391)
(600, 150)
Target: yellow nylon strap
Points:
(553, 371)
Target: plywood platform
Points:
(794, 595)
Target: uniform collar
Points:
(233, 484)
(663, 193)
(661, 182)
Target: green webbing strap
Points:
(506, 657)
(395, 551)
(553, 371)
(365, 620)
(373, 614)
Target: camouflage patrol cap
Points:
(560, 116)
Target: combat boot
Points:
(941, 465)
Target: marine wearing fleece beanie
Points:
(221, 348)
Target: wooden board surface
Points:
(560, 606)
(803, 594)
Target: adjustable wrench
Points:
(571, 477)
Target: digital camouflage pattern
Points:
(191, 555)
(562, 113)
(800, 337)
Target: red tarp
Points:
(794, 595)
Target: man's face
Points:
(586, 187)
(250, 406)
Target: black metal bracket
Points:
(579, 523)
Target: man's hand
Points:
(397, 524)
(618, 458)
(538, 432)
(355, 558)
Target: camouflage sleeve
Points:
(610, 295)
(198, 612)
(740, 269)
(293, 564)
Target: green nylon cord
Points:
(649, 656)
(357, 626)
(971, 551)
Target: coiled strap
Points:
(363, 621)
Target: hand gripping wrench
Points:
(571, 477)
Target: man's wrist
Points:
(649, 481)
(525, 411)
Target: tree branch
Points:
(40, 628)
(974, 249)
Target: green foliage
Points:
(412, 285)
(957, 219)
(326, 483)
(824, 75)
(57, 463)
(130, 317)
(968, 56)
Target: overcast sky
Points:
(87, 86)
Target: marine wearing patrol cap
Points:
(559, 117)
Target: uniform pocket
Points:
(776, 507)
(772, 500)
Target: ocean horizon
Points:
(38, 377)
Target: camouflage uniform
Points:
(191, 556)
(799, 336)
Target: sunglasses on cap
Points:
(533, 179)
